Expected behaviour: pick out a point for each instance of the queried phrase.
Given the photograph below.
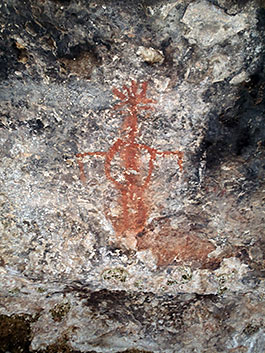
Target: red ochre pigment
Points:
(133, 201)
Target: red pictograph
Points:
(136, 162)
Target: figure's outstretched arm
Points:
(80, 157)
(178, 153)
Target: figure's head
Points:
(135, 100)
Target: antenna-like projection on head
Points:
(134, 100)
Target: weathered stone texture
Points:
(132, 176)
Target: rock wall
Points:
(132, 176)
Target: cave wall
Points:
(132, 176)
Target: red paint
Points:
(168, 245)
(133, 202)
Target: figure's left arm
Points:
(177, 153)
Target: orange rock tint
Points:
(169, 244)
(136, 164)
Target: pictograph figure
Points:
(136, 164)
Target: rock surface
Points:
(132, 176)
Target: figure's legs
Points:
(142, 209)
(132, 217)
